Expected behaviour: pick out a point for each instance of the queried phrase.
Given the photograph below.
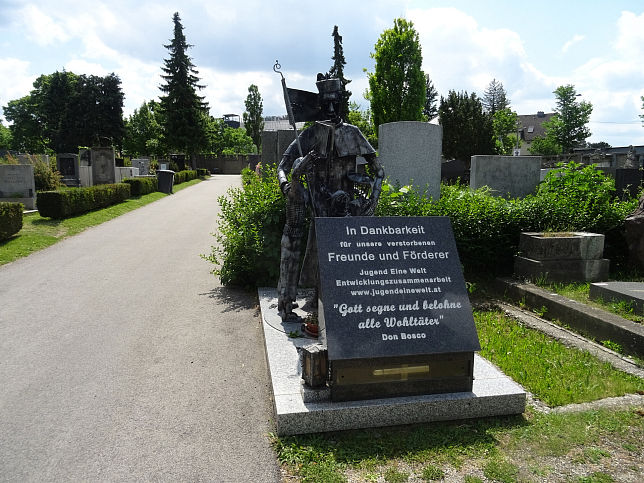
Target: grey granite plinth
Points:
(299, 410)
(562, 270)
(629, 292)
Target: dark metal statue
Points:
(327, 177)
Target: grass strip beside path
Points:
(38, 232)
(556, 374)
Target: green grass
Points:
(502, 448)
(579, 291)
(38, 232)
(554, 373)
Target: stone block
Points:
(573, 246)
(299, 410)
(17, 184)
(103, 164)
(562, 270)
(629, 292)
(511, 176)
(143, 164)
(410, 152)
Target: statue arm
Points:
(378, 173)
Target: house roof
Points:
(532, 125)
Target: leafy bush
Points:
(201, 172)
(63, 204)
(185, 175)
(250, 231)
(46, 178)
(142, 186)
(10, 219)
(486, 228)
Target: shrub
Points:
(486, 228)
(202, 172)
(250, 230)
(46, 178)
(63, 204)
(185, 175)
(10, 219)
(142, 186)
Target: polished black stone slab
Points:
(392, 287)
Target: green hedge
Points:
(486, 227)
(66, 203)
(10, 219)
(183, 176)
(202, 172)
(142, 186)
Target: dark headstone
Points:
(119, 162)
(628, 182)
(394, 312)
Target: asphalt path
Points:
(123, 359)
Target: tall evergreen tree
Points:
(467, 129)
(337, 70)
(495, 98)
(184, 109)
(430, 110)
(397, 87)
(253, 117)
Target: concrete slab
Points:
(493, 393)
(629, 292)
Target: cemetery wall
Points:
(227, 164)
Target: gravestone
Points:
(103, 164)
(125, 172)
(68, 166)
(143, 164)
(393, 309)
(17, 184)
(561, 257)
(411, 152)
(628, 182)
(630, 292)
(513, 176)
(85, 161)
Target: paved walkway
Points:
(122, 357)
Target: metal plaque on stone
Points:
(394, 311)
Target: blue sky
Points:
(531, 47)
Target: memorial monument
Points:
(393, 315)
(325, 179)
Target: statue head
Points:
(330, 95)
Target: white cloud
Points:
(40, 27)
(575, 40)
(15, 80)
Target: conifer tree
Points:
(430, 110)
(337, 70)
(184, 110)
(494, 98)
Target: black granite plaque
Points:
(392, 287)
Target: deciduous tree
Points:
(144, 134)
(253, 117)
(397, 87)
(183, 108)
(504, 125)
